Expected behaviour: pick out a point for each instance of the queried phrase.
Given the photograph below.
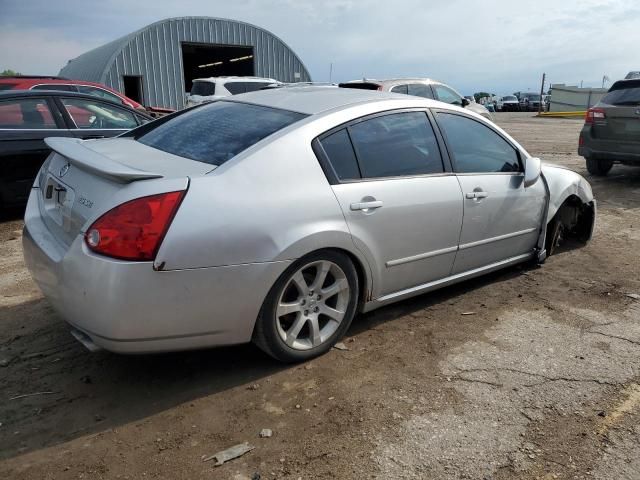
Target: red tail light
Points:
(135, 229)
(595, 115)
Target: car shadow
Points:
(80, 393)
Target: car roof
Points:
(312, 100)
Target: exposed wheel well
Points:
(576, 219)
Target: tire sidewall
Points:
(267, 318)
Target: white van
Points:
(208, 89)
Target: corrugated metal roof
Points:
(154, 53)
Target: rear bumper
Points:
(128, 307)
(619, 151)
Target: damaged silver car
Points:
(276, 216)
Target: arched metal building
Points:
(156, 64)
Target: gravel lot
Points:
(541, 381)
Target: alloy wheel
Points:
(312, 305)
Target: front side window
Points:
(396, 145)
(420, 90)
(26, 113)
(254, 86)
(98, 92)
(446, 95)
(98, 115)
(340, 152)
(218, 131)
(400, 89)
(235, 87)
(475, 147)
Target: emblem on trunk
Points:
(638, 111)
(64, 169)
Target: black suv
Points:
(611, 131)
(28, 117)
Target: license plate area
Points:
(58, 201)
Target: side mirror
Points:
(532, 170)
(465, 102)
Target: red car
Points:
(32, 82)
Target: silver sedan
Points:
(276, 216)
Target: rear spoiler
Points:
(80, 155)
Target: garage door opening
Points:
(133, 87)
(201, 60)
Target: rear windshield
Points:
(623, 93)
(218, 131)
(203, 88)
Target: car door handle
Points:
(472, 195)
(366, 205)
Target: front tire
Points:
(309, 308)
(599, 167)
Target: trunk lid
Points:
(622, 123)
(81, 180)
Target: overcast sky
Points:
(502, 47)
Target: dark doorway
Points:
(201, 60)
(133, 87)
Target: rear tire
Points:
(599, 167)
(309, 308)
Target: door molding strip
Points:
(464, 246)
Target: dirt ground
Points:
(541, 381)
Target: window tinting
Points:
(446, 95)
(396, 145)
(338, 148)
(56, 86)
(254, 86)
(31, 113)
(235, 87)
(420, 90)
(476, 148)
(218, 131)
(98, 115)
(400, 89)
(204, 89)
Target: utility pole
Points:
(544, 76)
(330, 71)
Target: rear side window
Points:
(340, 152)
(204, 89)
(476, 148)
(7, 86)
(57, 87)
(420, 90)
(26, 113)
(218, 131)
(623, 93)
(400, 89)
(394, 145)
